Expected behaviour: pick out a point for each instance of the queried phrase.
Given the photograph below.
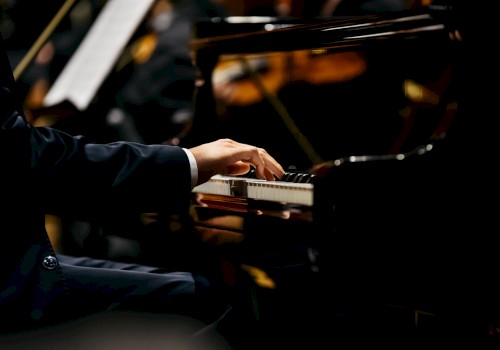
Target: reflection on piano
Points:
(338, 87)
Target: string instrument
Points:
(233, 86)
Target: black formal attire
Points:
(47, 170)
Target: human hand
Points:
(228, 157)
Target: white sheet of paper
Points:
(98, 53)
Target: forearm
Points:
(124, 174)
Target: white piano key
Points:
(275, 191)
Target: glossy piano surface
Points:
(315, 91)
(277, 34)
(369, 105)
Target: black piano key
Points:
(289, 176)
(296, 177)
(309, 178)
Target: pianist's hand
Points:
(228, 157)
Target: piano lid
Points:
(329, 88)
(335, 33)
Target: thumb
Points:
(238, 168)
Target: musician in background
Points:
(48, 170)
(156, 97)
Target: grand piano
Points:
(375, 232)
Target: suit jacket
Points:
(43, 170)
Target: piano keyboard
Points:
(287, 192)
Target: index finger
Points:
(266, 167)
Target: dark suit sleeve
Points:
(73, 173)
(134, 175)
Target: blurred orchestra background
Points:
(342, 103)
(332, 86)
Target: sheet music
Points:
(95, 57)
